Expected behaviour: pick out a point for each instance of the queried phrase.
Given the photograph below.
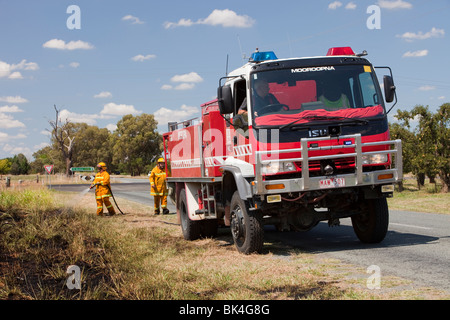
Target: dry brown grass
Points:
(427, 199)
(142, 256)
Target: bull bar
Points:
(356, 179)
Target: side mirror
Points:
(389, 88)
(225, 99)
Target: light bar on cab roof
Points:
(263, 56)
(340, 51)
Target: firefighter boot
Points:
(156, 211)
(165, 211)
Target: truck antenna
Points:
(240, 48)
(226, 68)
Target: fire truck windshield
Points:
(280, 97)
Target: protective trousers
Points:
(104, 200)
(160, 201)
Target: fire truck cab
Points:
(289, 143)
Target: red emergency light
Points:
(340, 51)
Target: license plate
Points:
(331, 183)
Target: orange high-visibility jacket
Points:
(102, 190)
(157, 178)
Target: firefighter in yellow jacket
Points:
(102, 190)
(158, 186)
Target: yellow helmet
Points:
(101, 165)
(161, 160)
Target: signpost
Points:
(83, 169)
(48, 169)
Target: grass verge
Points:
(140, 256)
(427, 199)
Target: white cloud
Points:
(15, 75)
(334, 5)
(74, 64)
(8, 122)
(187, 81)
(415, 54)
(165, 115)
(133, 19)
(111, 127)
(142, 58)
(225, 18)
(433, 33)
(7, 70)
(24, 65)
(118, 109)
(350, 6)
(185, 86)
(192, 77)
(4, 137)
(181, 23)
(40, 146)
(396, 4)
(10, 109)
(11, 99)
(441, 98)
(103, 94)
(110, 110)
(13, 150)
(72, 45)
(427, 88)
(66, 115)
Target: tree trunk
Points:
(445, 178)
(400, 186)
(420, 180)
(68, 166)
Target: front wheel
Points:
(371, 226)
(191, 229)
(246, 228)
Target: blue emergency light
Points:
(263, 56)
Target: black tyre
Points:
(191, 229)
(371, 226)
(246, 228)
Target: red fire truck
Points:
(289, 143)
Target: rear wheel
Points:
(371, 226)
(191, 229)
(246, 227)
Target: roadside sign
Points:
(82, 169)
(49, 168)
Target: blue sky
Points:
(166, 57)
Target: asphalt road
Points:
(417, 246)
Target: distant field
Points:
(427, 199)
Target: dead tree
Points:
(64, 138)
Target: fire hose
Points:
(114, 199)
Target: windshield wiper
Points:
(315, 117)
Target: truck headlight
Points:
(273, 167)
(375, 158)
